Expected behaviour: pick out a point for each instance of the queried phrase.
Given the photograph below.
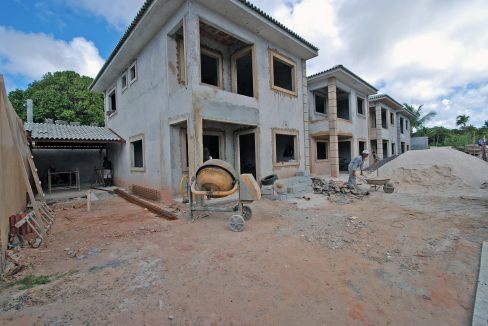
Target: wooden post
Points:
(88, 201)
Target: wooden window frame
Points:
(274, 54)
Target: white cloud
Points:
(118, 13)
(32, 55)
(419, 51)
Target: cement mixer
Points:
(218, 179)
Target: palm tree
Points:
(462, 120)
(419, 120)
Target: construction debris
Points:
(337, 191)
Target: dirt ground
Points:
(398, 259)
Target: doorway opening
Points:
(247, 153)
(344, 155)
(211, 147)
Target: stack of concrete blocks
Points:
(283, 189)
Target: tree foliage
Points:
(418, 121)
(462, 120)
(62, 95)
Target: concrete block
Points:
(297, 188)
(267, 190)
(302, 174)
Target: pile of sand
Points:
(439, 169)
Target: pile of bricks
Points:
(145, 192)
(18, 236)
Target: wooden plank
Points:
(150, 206)
(480, 312)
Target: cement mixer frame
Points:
(212, 173)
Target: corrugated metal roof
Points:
(51, 131)
(148, 3)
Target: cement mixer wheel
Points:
(236, 223)
(246, 212)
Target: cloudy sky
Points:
(431, 52)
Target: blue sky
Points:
(427, 52)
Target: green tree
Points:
(486, 124)
(462, 120)
(62, 95)
(418, 121)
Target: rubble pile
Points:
(337, 191)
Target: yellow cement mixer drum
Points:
(216, 175)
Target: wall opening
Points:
(322, 150)
(285, 148)
(211, 147)
(360, 105)
(112, 101)
(343, 104)
(384, 121)
(244, 74)
(320, 102)
(401, 127)
(210, 63)
(247, 153)
(344, 155)
(392, 119)
(402, 147)
(392, 148)
(137, 153)
(385, 148)
(362, 146)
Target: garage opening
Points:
(247, 154)
(344, 155)
(244, 74)
(285, 148)
(211, 147)
(343, 104)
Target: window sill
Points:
(113, 114)
(212, 86)
(323, 161)
(286, 164)
(362, 116)
(321, 114)
(284, 90)
(137, 169)
(345, 120)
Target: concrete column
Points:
(192, 46)
(306, 135)
(30, 111)
(333, 138)
(195, 140)
(379, 127)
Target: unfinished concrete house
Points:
(190, 80)
(389, 130)
(338, 126)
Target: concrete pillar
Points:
(30, 111)
(306, 134)
(379, 137)
(192, 45)
(333, 138)
(195, 140)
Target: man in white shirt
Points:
(356, 163)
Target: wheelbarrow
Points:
(378, 183)
(217, 179)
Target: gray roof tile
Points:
(50, 131)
